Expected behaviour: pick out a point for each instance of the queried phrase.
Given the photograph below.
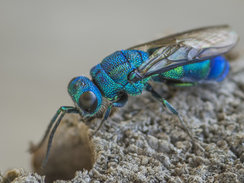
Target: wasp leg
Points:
(167, 105)
(119, 103)
(105, 117)
(62, 110)
(183, 84)
(178, 83)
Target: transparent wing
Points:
(185, 48)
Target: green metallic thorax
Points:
(111, 75)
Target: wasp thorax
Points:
(86, 95)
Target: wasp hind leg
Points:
(168, 106)
(178, 83)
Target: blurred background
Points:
(43, 44)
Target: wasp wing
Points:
(185, 48)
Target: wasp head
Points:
(86, 96)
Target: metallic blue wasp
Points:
(184, 59)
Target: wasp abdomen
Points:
(214, 69)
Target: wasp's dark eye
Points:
(88, 101)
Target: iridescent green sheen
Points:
(111, 75)
(214, 69)
(176, 73)
(197, 71)
(188, 73)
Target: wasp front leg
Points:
(119, 103)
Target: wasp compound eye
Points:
(88, 101)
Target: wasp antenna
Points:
(63, 110)
(51, 139)
(33, 147)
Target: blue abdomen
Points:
(111, 75)
(219, 69)
(214, 69)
